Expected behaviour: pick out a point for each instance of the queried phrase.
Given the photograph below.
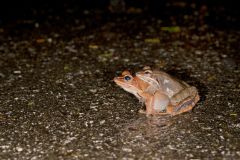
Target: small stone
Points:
(102, 122)
(19, 149)
(126, 60)
(127, 149)
(36, 25)
(198, 52)
(36, 90)
(17, 72)
(2, 75)
(93, 90)
(59, 81)
(91, 122)
(49, 40)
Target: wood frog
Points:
(161, 93)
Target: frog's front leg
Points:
(156, 103)
(184, 100)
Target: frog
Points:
(174, 98)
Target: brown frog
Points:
(161, 93)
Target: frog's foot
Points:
(141, 111)
(161, 113)
(185, 106)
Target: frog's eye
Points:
(127, 78)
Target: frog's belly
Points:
(160, 101)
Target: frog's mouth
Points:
(128, 87)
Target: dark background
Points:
(219, 11)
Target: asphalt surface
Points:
(58, 100)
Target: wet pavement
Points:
(58, 100)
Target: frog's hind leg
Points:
(186, 105)
(187, 93)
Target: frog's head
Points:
(128, 82)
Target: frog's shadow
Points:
(184, 76)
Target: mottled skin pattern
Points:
(161, 93)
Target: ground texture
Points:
(58, 100)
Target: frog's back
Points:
(168, 84)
